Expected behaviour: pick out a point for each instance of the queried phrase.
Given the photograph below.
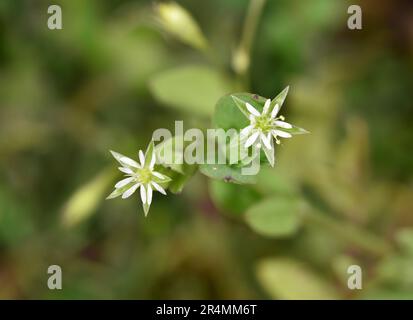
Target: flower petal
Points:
(266, 140)
(126, 170)
(130, 191)
(275, 111)
(141, 157)
(266, 106)
(124, 182)
(251, 139)
(158, 187)
(143, 194)
(158, 175)
(129, 162)
(283, 124)
(252, 110)
(149, 195)
(282, 134)
(246, 131)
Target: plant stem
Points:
(241, 57)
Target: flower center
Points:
(263, 123)
(144, 175)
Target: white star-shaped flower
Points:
(139, 176)
(266, 126)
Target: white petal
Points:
(246, 131)
(143, 194)
(252, 110)
(158, 187)
(275, 111)
(269, 153)
(251, 139)
(141, 157)
(266, 140)
(252, 119)
(283, 124)
(158, 175)
(149, 195)
(266, 106)
(130, 191)
(153, 160)
(282, 134)
(129, 162)
(126, 170)
(124, 182)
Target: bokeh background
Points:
(115, 73)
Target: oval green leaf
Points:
(275, 217)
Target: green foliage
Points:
(227, 173)
(230, 110)
(177, 88)
(285, 278)
(110, 78)
(179, 22)
(275, 217)
(86, 199)
(179, 180)
(232, 198)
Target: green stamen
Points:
(144, 176)
(263, 123)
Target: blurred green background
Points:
(115, 73)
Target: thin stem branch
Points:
(241, 57)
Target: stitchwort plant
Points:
(321, 194)
(139, 176)
(264, 127)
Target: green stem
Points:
(241, 57)
(350, 233)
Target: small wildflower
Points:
(266, 126)
(139, 175)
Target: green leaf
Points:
(226, 173)
(87, 198)
(223, 195)
(230, 110)
(145, 206)
(194, 88)
(296, 130)
(179, 22)
(275, 181)
(119, 191)
(241, 104)
(149, 154)
(275, 217)
(285, 278)
(279, 99)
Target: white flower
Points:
(139, 176)
(266, 126)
